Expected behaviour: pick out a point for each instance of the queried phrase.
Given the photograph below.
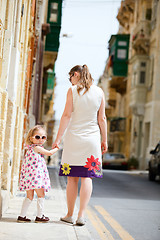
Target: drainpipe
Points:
(39, 61)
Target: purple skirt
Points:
(80, 171)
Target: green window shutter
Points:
(54, 19)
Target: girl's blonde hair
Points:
(31, 133)
(86, 79)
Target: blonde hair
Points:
(31, 133)
(86, 79)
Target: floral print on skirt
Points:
(91, 169)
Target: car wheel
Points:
(152, 176)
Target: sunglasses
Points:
(40, 137)
(71, 77)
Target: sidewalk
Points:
(55, 207)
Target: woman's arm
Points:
(65, 118)
(41, 150)
(103, 125)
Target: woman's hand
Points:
(56, 144)
(104, 147)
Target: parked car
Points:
(154, 163)
(114, 161)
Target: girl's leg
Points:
(40, 193)
(30, 194)
(40, 202)
(85, 194)
(72, 191)
(26, 203)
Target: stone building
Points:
(22, 33)
(140, 100)
(53, 15)
(19, 34)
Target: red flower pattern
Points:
(92, 163)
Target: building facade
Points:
(53, 15)
(140, 100)
(22, 32)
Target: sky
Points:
(89, 25)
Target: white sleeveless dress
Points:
(81, 155)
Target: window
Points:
(134, 79)
(54, 12)
(130, 125)
(122, 43)
(154, 13)
(143, 64)
(142, 77)
(151, 72)
(142, 73)
(148, 14)
(122, 53)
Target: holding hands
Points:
(56, 144)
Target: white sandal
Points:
(67, 220)
(80, 221)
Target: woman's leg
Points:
(85, 194)
(72, 192)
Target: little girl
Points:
(34, 174)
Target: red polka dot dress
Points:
(34, 173)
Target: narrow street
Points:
(124, 205)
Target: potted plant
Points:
(133, 163)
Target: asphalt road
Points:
(124, 206)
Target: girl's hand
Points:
(104, 147)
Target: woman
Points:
(84, 115)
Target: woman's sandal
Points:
(80, 221)
(67, 220)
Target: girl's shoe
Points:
(80, 221)
(23, 219)
(43, 219)
(67, 220)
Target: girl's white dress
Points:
(81, 155)
(34, 173)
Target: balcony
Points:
(117, 65)
(141, 37)
(111, 97)
(118, 83)
(117, 124)
(130, 4)
(54, 19)
(126, 8)
(138, 99)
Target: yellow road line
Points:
(99, 226)
(114, 224)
